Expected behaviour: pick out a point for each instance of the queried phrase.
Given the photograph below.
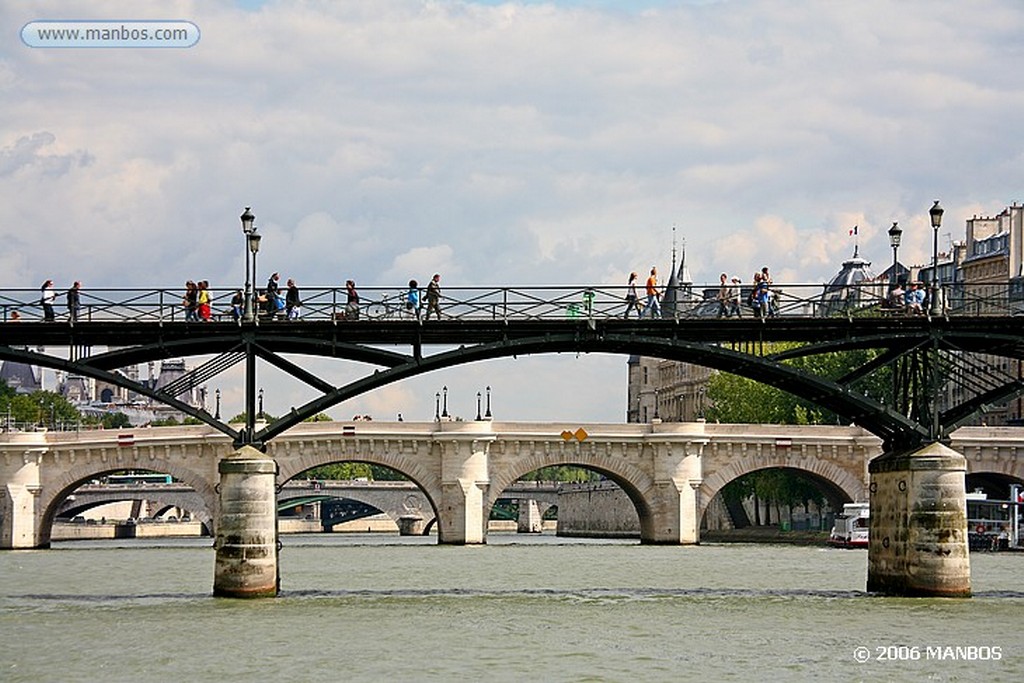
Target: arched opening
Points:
(570, 499)
(995, 511)
(995, 485)
(354, 496)
(121, 504)
(773, 499)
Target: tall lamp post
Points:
(894, 241)
(252, 242)
(936, 216)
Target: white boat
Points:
(851, 527)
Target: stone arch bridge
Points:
(670, 471)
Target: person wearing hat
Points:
(728, 297)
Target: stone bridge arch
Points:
(842, 480)
(56, 491)
(391, 456)
(634, 482)
(164, 499)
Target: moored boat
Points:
(851, 527)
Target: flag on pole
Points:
(853, 231)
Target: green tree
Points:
(562, 473)
(740, 400)
(115, 421)
(341, 471)
(45, 408)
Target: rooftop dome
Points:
(850, 288)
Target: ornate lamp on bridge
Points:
(894, 241)
(252, 241)
(936, 215)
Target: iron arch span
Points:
(662, 339)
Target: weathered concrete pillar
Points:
(410, 525)
(246, 542)
(918, 535)
(465, 478)
(678, 474)
(530, 520)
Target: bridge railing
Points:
(537, 303)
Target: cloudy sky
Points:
(502, 143)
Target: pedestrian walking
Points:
(190, 301)
(632, 297)
(203, 301)
(237, 305)
(274, 302)
(434, 296)
(292, 302)
(351, 300)
(412, 299)
(74, 301)
(723, 296)
(653, 295)
(734, 298)
(46, 298)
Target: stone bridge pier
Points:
(19, 508)
(917, 543)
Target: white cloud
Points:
(514, 143)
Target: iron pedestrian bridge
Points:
(946, 348)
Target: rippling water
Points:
(376, 608)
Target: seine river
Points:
(522, 608)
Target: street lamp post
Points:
(444, 406)
(252, 242)
(254, 247)
(487, 414)
(936, 217)
(894, 241)
(216, 414)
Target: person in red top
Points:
(653, 294)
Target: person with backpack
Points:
(412, 299)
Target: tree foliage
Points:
(562, 473)
(736, 399)
(45, 408)
(778, 488)
(345, 471)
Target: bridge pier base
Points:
(18, 517)
(530, 520)
(918, 535)
(411, 525)
(674, 520)
(465, 480)
(246, 542)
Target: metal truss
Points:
(925, 357)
